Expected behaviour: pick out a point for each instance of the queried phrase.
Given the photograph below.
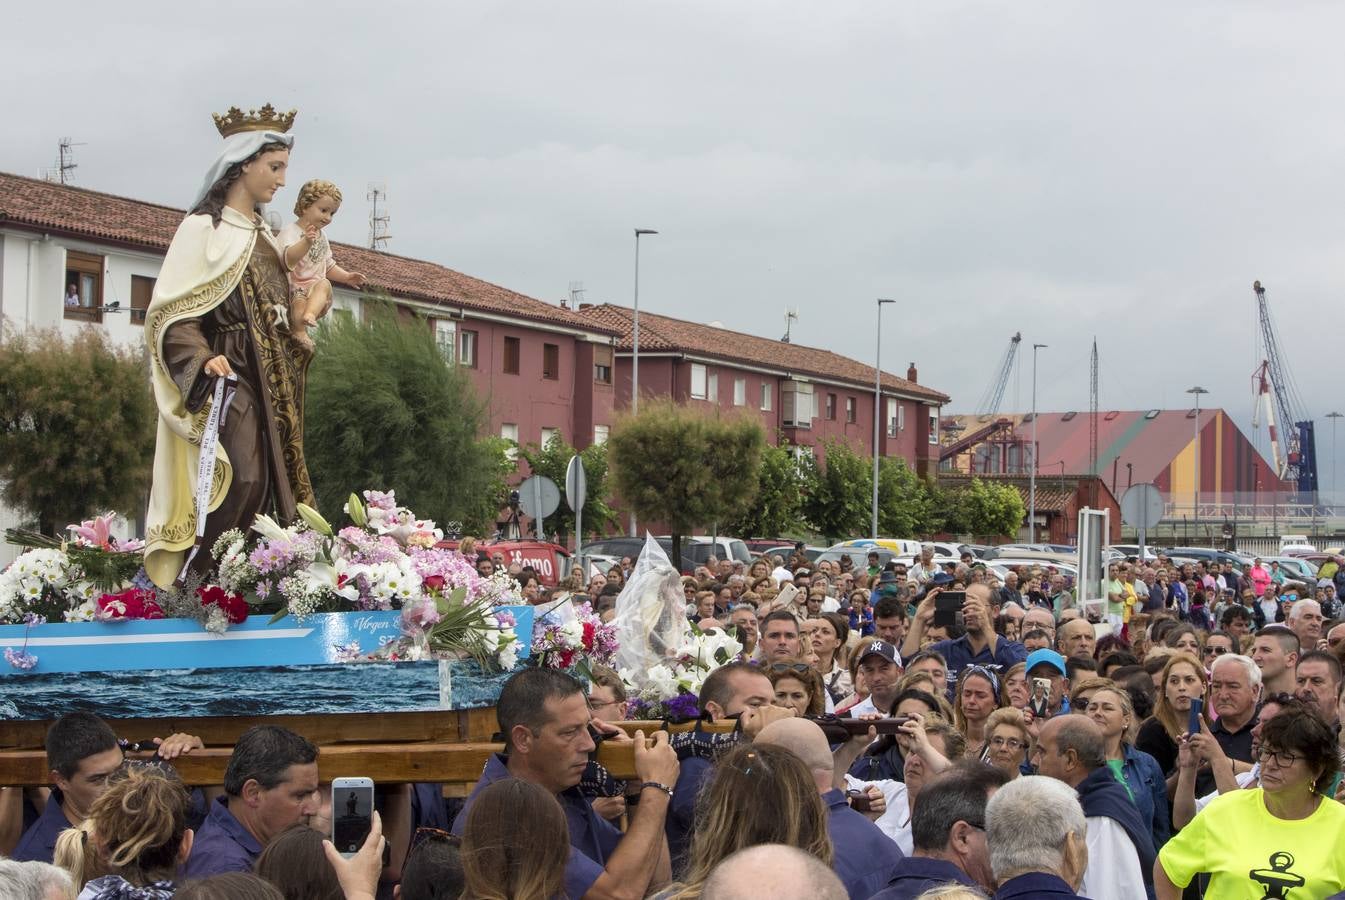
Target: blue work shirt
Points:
(1035, 885)
(39, 841)
(222, 845)
(865, 858)
(917, 874)
(682, 809)
(957, 653)
(592, 838)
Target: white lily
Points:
(269, 528)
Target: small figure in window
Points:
(308, 257)
(72, 295)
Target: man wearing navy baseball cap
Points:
(880, 664)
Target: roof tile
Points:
(35, 204)
(662, 333)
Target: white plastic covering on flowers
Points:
(651, 617)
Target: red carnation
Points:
(234, 606)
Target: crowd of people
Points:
(1183, 740)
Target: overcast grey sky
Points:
(1061, 169)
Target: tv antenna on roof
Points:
(61, 172)
(575, 297)
(791, 316)
(378, 222)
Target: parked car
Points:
(1001, 567)
(631, 546)
(858, 556)
(1206, 554)
(550, 561)
(700, 548)
(899, 546)
(1132, 551)
(1294, 567)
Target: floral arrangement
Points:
(561, 642)
(385, 560)
(673, 686)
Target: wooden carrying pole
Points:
(391, 748)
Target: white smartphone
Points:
(352, 813)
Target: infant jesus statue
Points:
(308, 258)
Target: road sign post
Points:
(1142, 509)
(539, 497)
(576, 494)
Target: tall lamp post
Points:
(635, 343)
(1195, 490)
(877, 411)
(1032, 476)
(1333, 416)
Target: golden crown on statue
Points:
(264, 119)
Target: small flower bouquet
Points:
(672, 688)
(385, 560)
(64, 579)
(573, 637)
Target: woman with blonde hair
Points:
(515, 843)
(758, 794)
(138, 834)
(1111, 708)
(1008, 741)
(1183, 679)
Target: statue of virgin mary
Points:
(219, 310)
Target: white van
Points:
(1297, 542)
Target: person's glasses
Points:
(1282, 760)
(789, 667)
(1010, 744)
(1216, 651)
(427, 833)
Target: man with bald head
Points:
(865, 858)
(772, 870)
(1077, 638)
(1120, 846)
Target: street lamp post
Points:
(1195, 490)
(635, 343)
(1333, 416)
(877, 412)
(1032, 476)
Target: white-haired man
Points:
(775, 871)
(1036, 831)
(1235, 688)
(1305, 618)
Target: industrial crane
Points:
(994, 394)
(1296, 456)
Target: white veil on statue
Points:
(651, 617)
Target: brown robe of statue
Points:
(263, 430)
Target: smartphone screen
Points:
(948, 609)
(352, 813)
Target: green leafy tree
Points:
(904, 501)
(993, 509)
(677, 465)
(385, 410)
(77, 426)
(553, 461)
(483, 517)
(778, 508)
(839, 499)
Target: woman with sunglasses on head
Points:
(1182, 680)
(798, 686)
(1281, 839)
(977, 696)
